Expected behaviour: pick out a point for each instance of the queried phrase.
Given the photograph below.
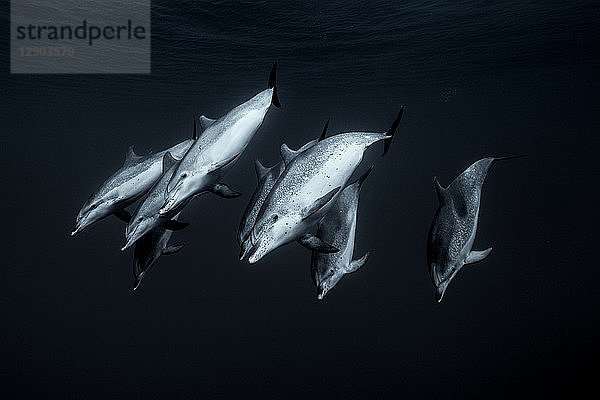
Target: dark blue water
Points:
(477, 78)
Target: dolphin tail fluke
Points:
(387, 142)
(273, 85)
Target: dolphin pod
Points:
(306, 190)
(137, 175)
(266, 179)
(305, 198)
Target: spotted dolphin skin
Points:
(124, 187)
(218, 148)
(266, 179)
(454, 225)
(148, 250)
(309, 185)
(338, 227)
(146, 217)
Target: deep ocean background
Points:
(478, 78)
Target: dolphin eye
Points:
(140, 219)
(275, 217)
(184, 175)
(94, 206)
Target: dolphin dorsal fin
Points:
(287, 154)
(439, 190)
(205, 122)
(131, 157)
(168, 161)
(324, 133)
(261, 170)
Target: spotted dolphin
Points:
(146, 217)
(218, 148)
(137, 175)
(338, 227)
(266, 179)
(452, 232)
(306, 190)
(148, 250)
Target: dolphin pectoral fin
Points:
(319, 203)
(172, 249)
(273, 84)
(173, 225)
(356, 264)
(205, 122)
(314, 243)
(123, 215)
(387, 142)
(222, 190)
(475, 256)
(224, 163)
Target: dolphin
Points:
(149, 248)
(338, 227)
(452, 232)
(128, 184)
(307, 188)
(146, 217)
(266, 179)
(218, 148)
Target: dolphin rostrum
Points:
(307, 188)
(146, 217)
(266, 179)
(338, 227)
(148, 250)
(454, 225)
(218, 148)
(124, 187)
